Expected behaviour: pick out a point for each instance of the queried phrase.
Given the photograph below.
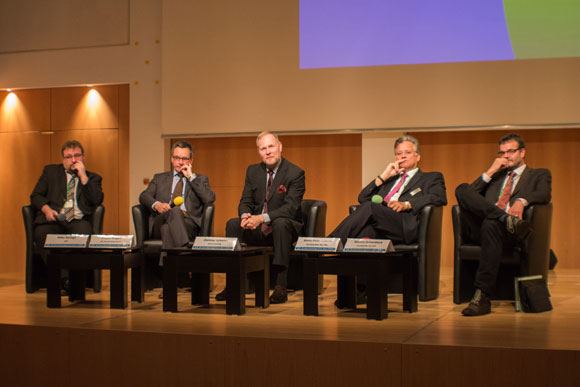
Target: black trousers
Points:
(480, 223)
(371, 220)
(174, 228)
(281, 239)
(75, 226)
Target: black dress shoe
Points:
(221, 296)
(279, 295)
(361, 298)
(478, 306)
(518, 227)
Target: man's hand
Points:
(517, 209)
(251, 222)
(49, 213)
(391, 170)
(162, 207)
(398, 206)
(497, 165)
(79, 168)
(187, 171)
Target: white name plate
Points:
(331, 245)
(111, 241)
(216, 244)
(66, 240)
(368, 245)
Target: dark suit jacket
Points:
(534, 185)
(285, 197)
(51, 189)
(423, 189)
(197, 193)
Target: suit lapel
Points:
(413, 182)
(61, 180)
(522, 181)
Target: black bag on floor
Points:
(534, 296)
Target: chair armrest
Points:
(537, 246)
(97, 219)
(456, 218)
(140, 223)
(314, 215)
(207, 220)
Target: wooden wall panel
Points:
(25, 110)
(85, 108)
(24, 151)
(332, 164)
(23, 156)
(463, 156)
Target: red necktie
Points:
(507, 191)
(396, 188)
(266, 228)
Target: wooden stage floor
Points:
(436, 337)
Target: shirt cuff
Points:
(192, 177)
(154, 204)
(266, 218)
(524, 202)
(485, 178)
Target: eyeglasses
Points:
(70, 157)
(406, 153)
(184, 159)
(509, 152)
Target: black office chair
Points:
(152, 247)
(35, 266)
(314, 217)
(530, 257)
(428, 256)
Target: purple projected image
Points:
(347, 33)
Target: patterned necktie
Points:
(178, 190)
(507, 191)
(69, 212)
(396, 188)
(266, 228)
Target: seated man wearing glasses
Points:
(491, 212)
(65, 195)
(177, 222)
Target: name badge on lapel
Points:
(416, 191)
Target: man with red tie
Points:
(390, 204)
(269, 210)
(491, 212)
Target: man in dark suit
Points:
(400, 192)
(269, 210)
(491, 212)
(65, 195)
(177, 224)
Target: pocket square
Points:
(281, 189)
(416, 191)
